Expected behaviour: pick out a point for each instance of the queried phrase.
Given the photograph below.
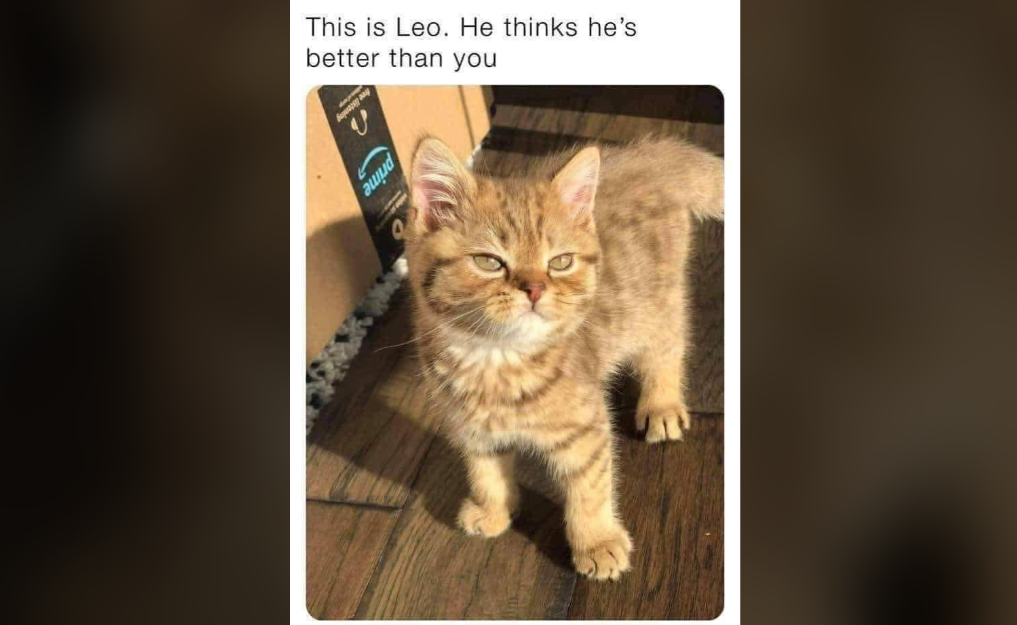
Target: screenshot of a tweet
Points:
(514, 311)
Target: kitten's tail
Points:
(708, 202)
(701, 181)
(693, 177)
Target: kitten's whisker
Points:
(476, 324)
(432, 330)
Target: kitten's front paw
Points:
(608, 559)
(480, 521)
(664, 425)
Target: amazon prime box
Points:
(359, 144)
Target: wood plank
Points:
(344, 544)
(570, 125)
(432, 570)
(690, 103)
(371, 439)
(710, 136)
(672, 501)
(705, 366)
(359, 383)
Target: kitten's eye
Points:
(561, 262)
(488, 263)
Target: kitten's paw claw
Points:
(665, 425)
(607, 560)
(487, 522)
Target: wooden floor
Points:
(383, 489)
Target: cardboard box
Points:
(360, 140)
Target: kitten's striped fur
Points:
(511, 372)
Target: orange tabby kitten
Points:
(531, 292)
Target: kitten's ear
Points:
(576, 183)
(440, 185)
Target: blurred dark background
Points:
(146, 290)
(145, 254)
(878, 335)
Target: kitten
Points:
(531, 292)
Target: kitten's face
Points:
(506, 263)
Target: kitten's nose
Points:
(534, 290)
